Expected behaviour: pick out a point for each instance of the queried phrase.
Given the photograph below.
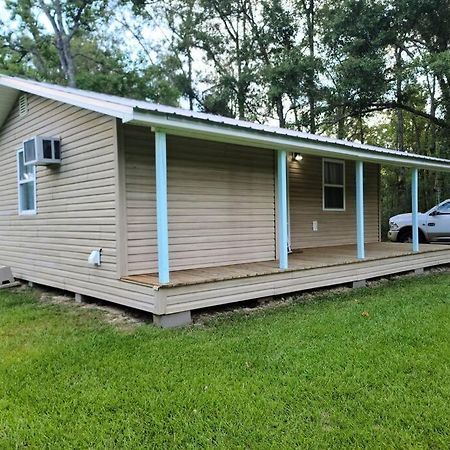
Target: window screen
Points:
(26, 185)
(333, 184)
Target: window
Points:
(29, 151)
(333, 179)
(26, 179)
(444, 209)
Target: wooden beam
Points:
(361, 253)
(162, 222)
(415, 209)
(282, 209)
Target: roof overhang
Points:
(181, 122)
(13, 86)
(182, 126)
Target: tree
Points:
(66, 19)
(227, 41)
(116, 74)
(85, 51)
(309, 9)
(177, 21)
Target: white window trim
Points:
(342, 163)
(28, 212)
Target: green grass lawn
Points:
(368, 368)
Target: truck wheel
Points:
(405, 236)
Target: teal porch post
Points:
(361, 254)
(282, 209)
(161, 206)
(415, 208)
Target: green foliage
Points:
(217, 101)
(439, 63)
(114, 74)
(360, 81)
(355, 27)
(100, 63)
(315, 374)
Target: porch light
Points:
(298, 157)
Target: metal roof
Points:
(208, 126)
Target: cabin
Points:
(168, 210)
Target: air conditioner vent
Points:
(42, 151)
(23, 105)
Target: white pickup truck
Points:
(434, 225)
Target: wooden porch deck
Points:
(307, 259)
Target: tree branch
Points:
(77, 18)
(394, 105)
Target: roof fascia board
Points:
(103, 107)
(235, 135)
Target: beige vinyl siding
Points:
(139, 149)
(220, 197)
(76, 204)
(334, 227)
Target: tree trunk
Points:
(70, 75)
(62, 39)
(361, 129)
(400, 134)
(190, 79)
(400, 118)
(240, 88)
(280, 112)
(310, 21)
(341, 122)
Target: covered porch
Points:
(330, 265)
(361, 251)
(210, 213)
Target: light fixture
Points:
(298, 157)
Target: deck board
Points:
(311, 258)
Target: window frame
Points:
(324, 185)
(26, 212)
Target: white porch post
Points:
(415, 208)
(162, 223)
(361, 254)
(282, 209)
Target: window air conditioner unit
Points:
(42, 151)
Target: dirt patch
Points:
(123, 317)
(115, 315)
